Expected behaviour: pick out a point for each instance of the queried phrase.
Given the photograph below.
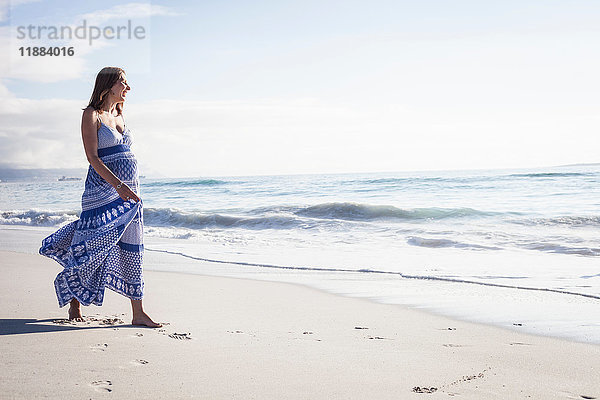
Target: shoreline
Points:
(241, 338)
(512, 323)
(538, 312)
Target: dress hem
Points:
(70, 284)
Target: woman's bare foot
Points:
(75, 311)
(140, 317)
(144, 320)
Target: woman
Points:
(104, 247)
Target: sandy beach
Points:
(228, 338)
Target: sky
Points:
(282, 87)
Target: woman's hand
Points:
(126, 193)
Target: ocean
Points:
(513, 248)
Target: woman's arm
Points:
(89, 132)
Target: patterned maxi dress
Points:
(104, 247)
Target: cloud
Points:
(175, 137)
(40, 133)
(301, 135)
(128, 11)
(4, 92)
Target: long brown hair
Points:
(105, 80)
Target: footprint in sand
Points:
(180, 336)
(107, 320)
(468, 378)
(65, 322)
(99, 347)
(139, 362)
(418, 389)
(102, 386)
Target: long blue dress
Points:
(104, 247)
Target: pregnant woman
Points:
(104, 247)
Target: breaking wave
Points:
(37, 217)
(366, 212)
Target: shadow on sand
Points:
(24, 326)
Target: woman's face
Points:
(120, 89)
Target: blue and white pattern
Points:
(104, 247)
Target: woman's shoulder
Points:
(90, 111)
(91, 115)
